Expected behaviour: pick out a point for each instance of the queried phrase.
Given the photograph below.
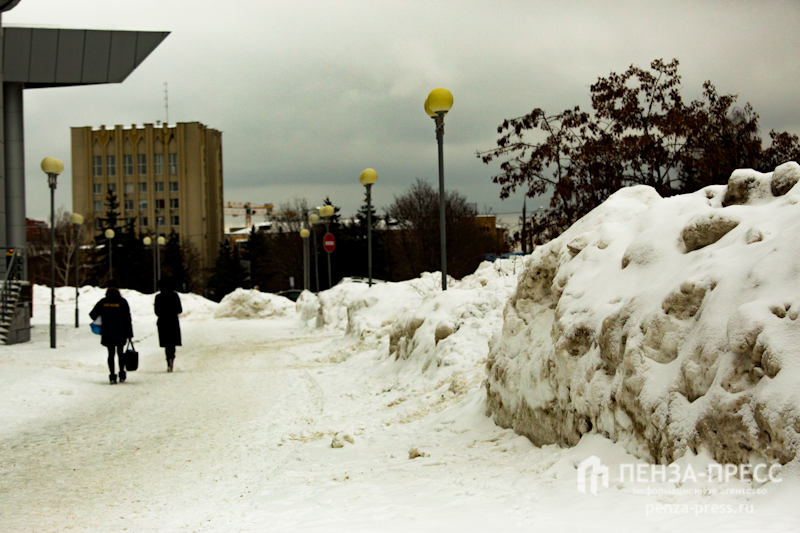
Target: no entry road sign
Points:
(329, 242)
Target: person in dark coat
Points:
(116, 329)
(168, 307)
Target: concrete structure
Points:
(167, 178)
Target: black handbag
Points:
(131, 357)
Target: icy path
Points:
(239, 439)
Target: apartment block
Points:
(166, 177)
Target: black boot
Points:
(122, 376)
(169, 364)
(112, 378)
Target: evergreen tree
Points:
(100, 269)
(133, 263)
(227, 274)
(173, 263)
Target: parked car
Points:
(292, 294)
(359, 279)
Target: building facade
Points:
(167, 178)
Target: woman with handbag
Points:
(116, 328)
(167, 308)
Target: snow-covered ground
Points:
(360, 409)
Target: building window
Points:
(129, 221)
(142, 205)
(158, 163)
(141, 164)
(175, 221)
(98, 224)
(160, 204)
(172, 159)
(97, 188)
(97, 165)
(111, 165)
(128, 205)
(143, 187)
(159, 186)
(98, 206)
(173, 186)
(129, 188)
(142, 222)
(112, 187)
(160, 221)
(127, 164)
(173, 203)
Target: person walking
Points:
(168, 307)
(116, 328)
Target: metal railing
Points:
(13, 272)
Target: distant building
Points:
(166, 178)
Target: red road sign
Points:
(329, 242)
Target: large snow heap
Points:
(665, 324)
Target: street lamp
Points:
(326, 212)
(304, 233)
(368, 179)
(147, 242)
(313, 219)
(437, 105)
(52, 167)
(109, 233)
(76, 220)
(159, 242)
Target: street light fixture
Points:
(326, 212)
(52, 167)
(109, 233)
(160, 242)
(368, 179)
(313, 219)
(304, 233)
(148, 242)
(437, 105)
(77, 220)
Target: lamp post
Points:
(148, 242)
(52, 167)
(76, 220)
(313, 219)
(437, 105)
(109, 233)
(368, 179)
(304, 233)
(326, 212)
(159, 243)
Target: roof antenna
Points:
(166, 102)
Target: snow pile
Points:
(244, 303)
(328, 309)
(666, 324)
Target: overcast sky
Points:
(310, 93)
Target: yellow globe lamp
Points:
(368, 177)
(147, 241)
(76, 218)
(304, 233)
(162, 241)
(326, 211)
(313, 218)
(51, 165)
(440, 99)
(428, 109)
(109, 233)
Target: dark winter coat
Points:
(117, 327)
(168, 307)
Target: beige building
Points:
(167, 178)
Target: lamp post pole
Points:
(326, 211)
(368, 178)
(437, 105)
(52, 167)
(109, 233)
(313, 219)
(159, 243)
(147, 241)
(76, 220)
(304, 233)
